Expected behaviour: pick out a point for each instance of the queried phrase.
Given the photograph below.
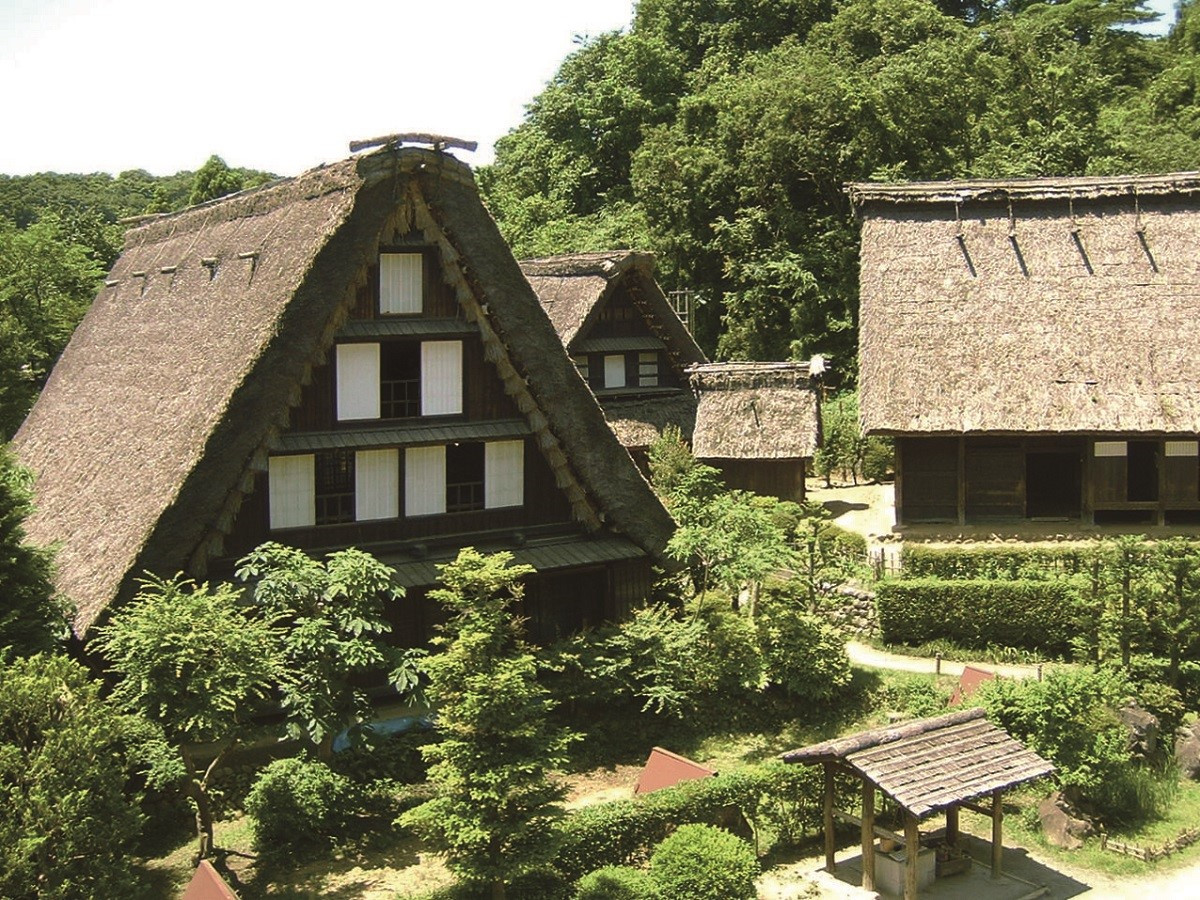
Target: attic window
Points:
(648, 369)
(614, 370)
(400, 283)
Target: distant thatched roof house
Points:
(1032, 344)
(624, 337)
(351, 356)
(758, 422)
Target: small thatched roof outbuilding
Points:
(1051, 306)
(180, 378)
(755, 410)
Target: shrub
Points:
(699, 862)
(913, 694)
(617, 883)
(1033, 615)
(998, 563)
(785, 797)
(396, 757)
(299, 803)
(1070, 719)
(1136, 794)
(803, 654)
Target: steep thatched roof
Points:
(179, 379)
(1039, 305)
(638, 421)
(572, 289)
(751, 410)
(932, 764)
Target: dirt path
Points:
(873, 658)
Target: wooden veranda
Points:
(940, 764)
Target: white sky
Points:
(110, 85)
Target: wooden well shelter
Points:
(1032, 346)
(758, 423)
(927, 766)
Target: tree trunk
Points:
(498, 890)
(325, 747)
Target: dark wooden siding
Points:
(1181, 480)
(782, 478)
(484, 396)
(994, 473)
(929, 479)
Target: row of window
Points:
(363, 485)
(618, 370)
(399, 380)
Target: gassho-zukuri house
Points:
(624, 337)
(351, 357)
(1034, 348)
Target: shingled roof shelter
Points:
(348, 357)
(758, 422)
(624, 337)
(926, 766)
(1033, 346)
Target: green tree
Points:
(46, 285)
(334, 629)
(33, 617)
(193, 662)
(215, 179)
(495, 808)
(1175, 618)
(68, 824)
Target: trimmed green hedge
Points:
(784, 796)
(1000, 563)
(1032, 615)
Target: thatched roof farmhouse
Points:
(348, 357)
(758, 422)
(624, 337)
(1033, 346)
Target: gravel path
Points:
(866, 655)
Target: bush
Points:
(298, 803)
(915, 695)
(1070, 719)
(994, 563)
(1031, 615)
(68, 824)
(699, 862)
(803, 654)
(784, 797)
(394, 757)
(617, 883)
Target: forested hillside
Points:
(720, 133)
(59, 234)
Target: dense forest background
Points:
(719, 134)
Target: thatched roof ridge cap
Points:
(874, 737)
(748, 375)
(1016, 189)
(606, 264)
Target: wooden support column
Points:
(997, 833)
(830, 862)
(952, 826)
(912, 849)
(962, 481)
(868, 835)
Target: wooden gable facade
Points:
(394, 386)
(1032, 346)
(624, 338)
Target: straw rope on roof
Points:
(1038, 306)
(572, 289)
(755, 411)
(932, 764)
(179, 379)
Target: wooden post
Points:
(830, 862)
(868, 835)
(912, 848)
(962, 481)
(952, 826)
(997, 833)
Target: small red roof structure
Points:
(665, 769)
(969, 682)
(207, 884)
